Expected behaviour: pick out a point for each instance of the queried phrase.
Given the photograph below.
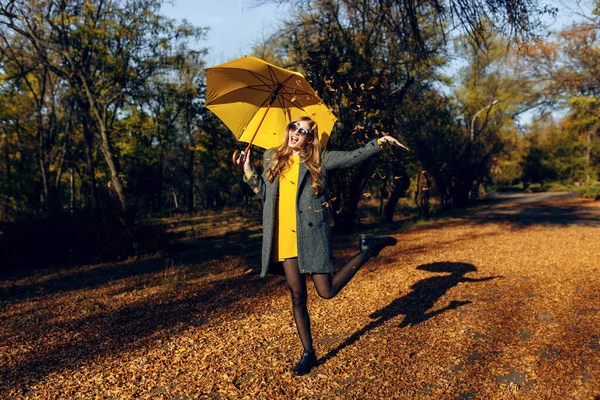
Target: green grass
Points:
(591, 191)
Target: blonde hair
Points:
(310, 155)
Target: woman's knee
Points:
(299, 297)
(325, 293)
(324, 286)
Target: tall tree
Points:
(493, 91)
(360, 69)
(103, 49)
(567, 70)
(52, 118)
(19, 175)
(413, 22)
(365, 56)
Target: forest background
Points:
(103, 132)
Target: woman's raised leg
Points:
(329, 286)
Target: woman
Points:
(296, 222)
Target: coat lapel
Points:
(301, 176)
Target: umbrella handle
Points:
(234, 157)
(236, 154)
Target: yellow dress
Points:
(285, 241)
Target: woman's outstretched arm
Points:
(344, 159)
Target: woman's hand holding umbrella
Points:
(243, 163)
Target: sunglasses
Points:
(293, 127)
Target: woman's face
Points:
(299, 135)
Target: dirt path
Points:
(550, 208)
(502, 303)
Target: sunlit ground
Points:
(502, 303)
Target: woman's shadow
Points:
(415, 305)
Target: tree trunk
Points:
(400, 182)
(400, 187)
(191, 181)
(91, 169)
(192, 160)
(588, 157)
(422, 197)
(175, 201)
(159, 186)
(100, 115)
(43, 163)
(347, 217)
(112, 167)
(6, 157)
(7, 169)
(72, 191)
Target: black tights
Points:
(327, 287)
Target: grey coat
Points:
(315, 253)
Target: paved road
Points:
(555, 208)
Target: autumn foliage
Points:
(501, 303)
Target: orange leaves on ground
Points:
(501, 303)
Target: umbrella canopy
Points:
(256, 100)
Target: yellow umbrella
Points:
(256, 100)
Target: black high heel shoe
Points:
(307, 361)
(374, 244)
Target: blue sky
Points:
(235, 25)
